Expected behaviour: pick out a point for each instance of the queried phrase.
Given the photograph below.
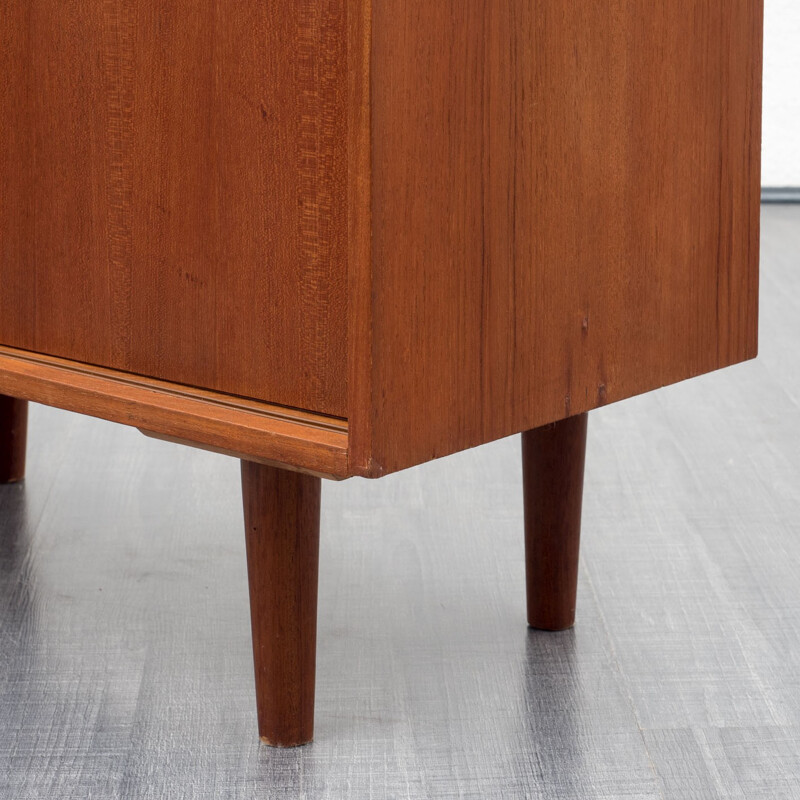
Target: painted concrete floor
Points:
(125, 665)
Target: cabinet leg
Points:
(13, 438)
(553, 458)
(281, 516)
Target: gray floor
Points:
(125, 664)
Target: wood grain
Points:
(281, 517)
(553, 459)
(360, 382)
(304, 441)
(13, 438)
(443, 222)
(173, 187)
(565, 205)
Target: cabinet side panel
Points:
(173, 191)
(565, 209)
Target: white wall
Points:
(780, 164)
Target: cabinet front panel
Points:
(172, 191)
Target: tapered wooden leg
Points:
(13, 438)
(553, 458)
(281, 515)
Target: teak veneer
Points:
(339, 238)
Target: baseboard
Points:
(780, 194)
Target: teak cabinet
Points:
(343, 237)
